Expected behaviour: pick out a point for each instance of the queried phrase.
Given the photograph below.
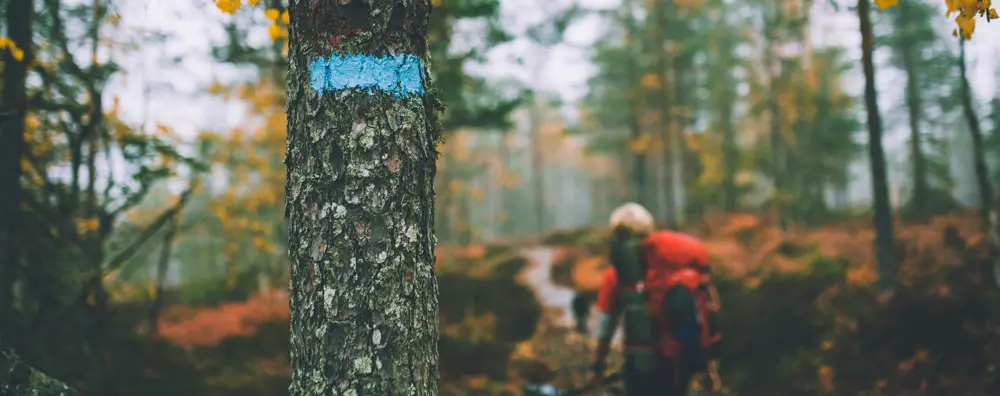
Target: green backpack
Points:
(628, 260)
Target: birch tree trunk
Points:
(362, 130)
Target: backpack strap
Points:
(627, 258)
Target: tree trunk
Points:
(640, 174)
(537, 169)
(678, 140)
(914, 106)
(505, 163)
(730, 158)
(883, 214)
(362, 130)
(668, 70)
(509, 198)
(774, 109)
(464, 219)
(162, 268)
(13, 106)
(444, 204)
(987, 207)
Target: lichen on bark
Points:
(360, 209)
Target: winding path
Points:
(538, 276)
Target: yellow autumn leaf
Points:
(651, 81)
(883, 4)
(276, 32)
(87, 226)
(641, 144)
(272, 14)
(966, 26)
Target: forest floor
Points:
(792, 294)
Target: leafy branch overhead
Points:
(966, 12)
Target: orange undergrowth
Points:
(189, 327)
(750, 246)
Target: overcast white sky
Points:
(194, 24)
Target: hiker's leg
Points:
(668, 381)
(639, 384)
(686, 370)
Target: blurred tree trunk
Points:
(730, 158)
(667, 65)
(13, 105)
(537, 169)
(360, 208)
(162, 268)
(506, 169)
(773, 21)
(464, 219)
(876, 155)
(640, 174)
(444, 204)
(987, 206)
(507, 203)
(914, 105)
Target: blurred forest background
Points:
(142, 192)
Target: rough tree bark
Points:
(362, 130)
(880, 180)
(13, 105)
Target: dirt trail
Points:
(566, 351)
(538, 276)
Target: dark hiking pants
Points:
(663, 382)
(581, 310)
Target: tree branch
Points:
(19, 379)
(122, 256)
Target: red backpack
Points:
(676, 298)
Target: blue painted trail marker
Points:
(400, 75)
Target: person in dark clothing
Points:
(581, 310)
(659, 287)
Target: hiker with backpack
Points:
(659, 285)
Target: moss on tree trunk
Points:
(360, 208)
